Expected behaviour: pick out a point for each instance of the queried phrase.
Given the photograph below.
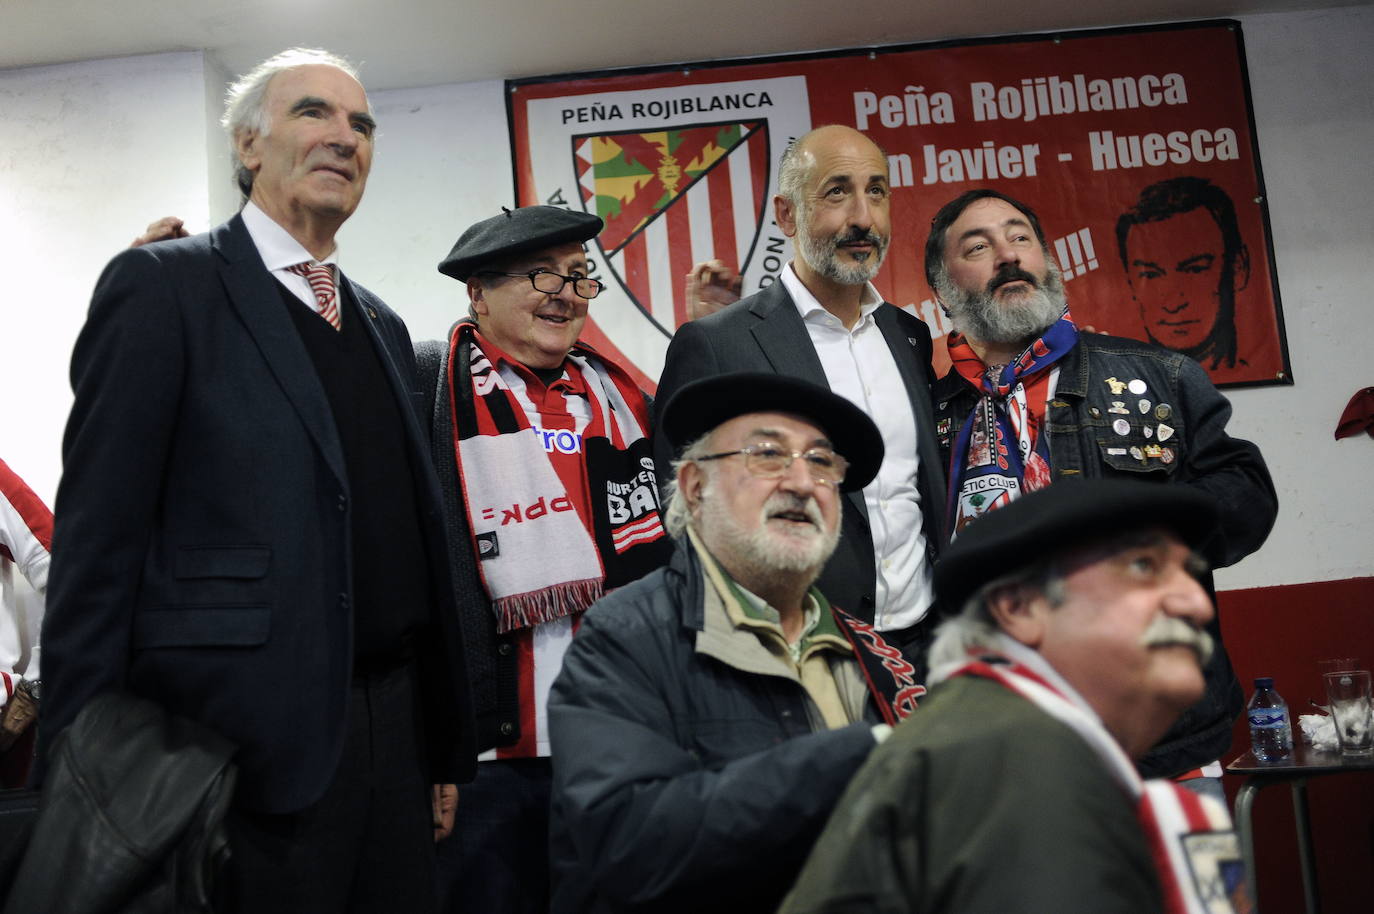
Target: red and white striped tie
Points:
(321, 279)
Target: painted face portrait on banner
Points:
(1185, 261)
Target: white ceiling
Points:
(406, 43)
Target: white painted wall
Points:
(1310, 79)
(86, 161)
(442, 162)
(222, 193)
(89, 154)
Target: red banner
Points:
(1135, 147)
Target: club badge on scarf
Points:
(999, 452)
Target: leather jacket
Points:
(131, 817)
(1174, 432)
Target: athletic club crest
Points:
(671, 198)
(980, 494)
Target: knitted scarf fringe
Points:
(523, 610)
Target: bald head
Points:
(800, 157)
(833, 197)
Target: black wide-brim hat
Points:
(704, 404)
(1063, 516)
(516, 231)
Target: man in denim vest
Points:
(1029, 401)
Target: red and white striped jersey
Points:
(25, 544)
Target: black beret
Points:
(516, 231)
(704, 404)
(1062, 516)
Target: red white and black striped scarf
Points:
(559, 513)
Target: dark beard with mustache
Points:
(979, 315)
(1008, 273)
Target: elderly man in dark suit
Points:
(823, 321)
(253, 527)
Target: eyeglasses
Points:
(769, 461)
(551, 283)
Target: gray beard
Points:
(770, 555)
(821, 255)
(979, 315)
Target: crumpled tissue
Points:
(1319, 731)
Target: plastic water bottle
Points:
(1271, 732)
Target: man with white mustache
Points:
(823, 321)
(708, 716)
(1014, 789)
(1030, 401)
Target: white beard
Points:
(800, 549)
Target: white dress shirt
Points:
(279, 250)
(860, 367)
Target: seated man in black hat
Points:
(1014, 788)
(550, 499)
(708, 716)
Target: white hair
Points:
(956, 637)
(975, 628)
(676, 513)
(245, 105)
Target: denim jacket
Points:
(1132, 410)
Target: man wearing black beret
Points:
(551, 500)
(708, 716)
(1014, 788)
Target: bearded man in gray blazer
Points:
(823, 321)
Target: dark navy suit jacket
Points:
(764, 332)
(202, 553)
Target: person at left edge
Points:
(26, 547)
(551, 500)
(255, 530)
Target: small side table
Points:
(1304, 763)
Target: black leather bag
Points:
(131, 817)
